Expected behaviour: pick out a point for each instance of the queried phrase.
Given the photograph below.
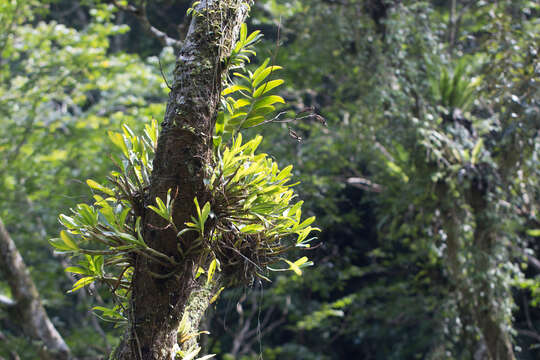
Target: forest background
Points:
(422, 170)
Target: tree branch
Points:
(364, 184)
(141, 15)
(529, 333)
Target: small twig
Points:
(242, 255)
(163, 75)
(312, 247)
(294, 135)
(135, 333)
(120, 279)
(276, 119)
(154, 227)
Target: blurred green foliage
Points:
(423, 104)
(59, 93)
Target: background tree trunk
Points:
(497, 338)
(27, 308)
(182, 159)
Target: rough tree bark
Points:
(182, 160)
(27, 309)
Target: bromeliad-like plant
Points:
(248, 223)
(454, 89)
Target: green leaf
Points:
(205, 212)
(295, 266)
(252, 229)
(284, 173)
(155, 209)
(162, 210)
(209, 356)
(243, 32)
(152, 131)
(240, 103)
(476, 151)
(301, 261)
(237, 116)
(266, 87)
(257, 79)
(268, 100)
(252, 121)
(260, 68)
(128, 238)
(82, 283)
(60, 245)
(77, 270)
(215, 297)
(533, 232)
(197, 207)
(113, 313)
(97, 186)
(68, 241)
(294, 209)
(240, 75)
(68, 222)
(87, 214)
(253, 36)
(211, 271)
(306, 223)
(234, 88)
(220, 123)
(118, 140)
(200, 271)
(397, 170)
(261, 111)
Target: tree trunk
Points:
(183, 157)
(489, 313)
(28, 310)
(461, 287)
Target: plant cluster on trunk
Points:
(193, 208)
